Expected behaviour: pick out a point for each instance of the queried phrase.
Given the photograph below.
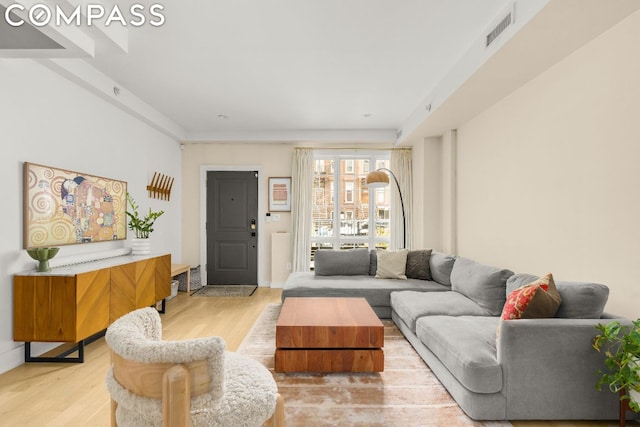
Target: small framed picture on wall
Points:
(280, 194)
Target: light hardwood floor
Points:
(51, 394)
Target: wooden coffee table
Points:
(328, 335)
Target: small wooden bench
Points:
(182, 268)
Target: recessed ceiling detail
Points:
(23, 37)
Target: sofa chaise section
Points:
(377, 292)
(526, 369)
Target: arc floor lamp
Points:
(378, 179)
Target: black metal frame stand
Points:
(61, 358)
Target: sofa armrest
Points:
(550, 367)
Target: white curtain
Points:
(301, 207)
(401, 165)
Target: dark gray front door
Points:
(232, 228)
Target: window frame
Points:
(338, 199)
(349, 166)
(349, 189)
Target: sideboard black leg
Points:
(163, 306)
(60, 358)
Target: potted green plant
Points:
(141, 227)
(621, 345)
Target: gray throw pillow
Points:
(580, 300)
(440, 266)
(418, 264)
(483, 284)
(373, 262)
(350, 262)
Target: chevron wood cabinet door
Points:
(92, 302)
(145, 282)
(61, 308)
(123, 290)
(163, 277)
(34, 317)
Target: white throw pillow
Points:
(392, 264)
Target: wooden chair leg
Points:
(114, 406)
(176, 397)
(277, 419)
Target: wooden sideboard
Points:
(75, 303)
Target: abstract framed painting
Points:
(280, 194)
(63, 207)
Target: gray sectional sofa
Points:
(494, 369)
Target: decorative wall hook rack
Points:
(160, 187)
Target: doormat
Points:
(226, 291)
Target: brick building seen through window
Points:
(342, 203)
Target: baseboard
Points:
(11, 359)
(277, 285)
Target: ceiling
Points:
(296, 65)
(264, 69)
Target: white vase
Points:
(140, 247)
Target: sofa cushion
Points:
(348, 262)
(418, 264)
(392, 264)
(580, 300)
(484, 284)
(440, 266)
(410, 305)
(538, 299)
(376, 291)
(466, 346)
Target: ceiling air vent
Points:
(502, 25)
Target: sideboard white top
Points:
(85, 267)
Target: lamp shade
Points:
(377, 179)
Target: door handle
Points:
(253, 225)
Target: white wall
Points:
(274, 160)
(427, 192)
(548, 178)
(47, 119)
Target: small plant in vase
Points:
(141, 227)
(621, 344)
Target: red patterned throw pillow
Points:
(536, 300)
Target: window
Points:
(348, 192)
(342, 206)
(348, 166)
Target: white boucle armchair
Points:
(184, 383)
